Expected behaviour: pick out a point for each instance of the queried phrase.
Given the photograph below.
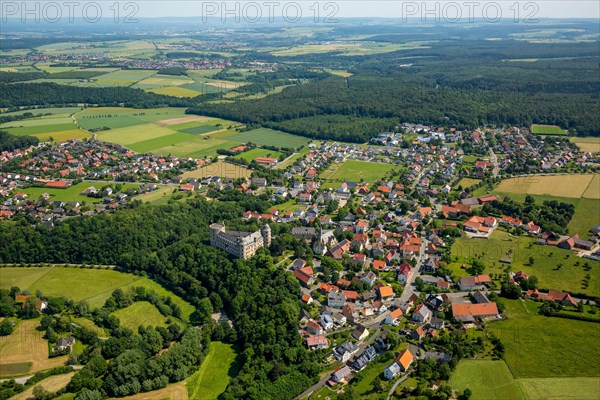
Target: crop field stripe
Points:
(162, 141)
(198, 130)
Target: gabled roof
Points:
(405, 359)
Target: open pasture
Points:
(270, 137)
(546, 259)
(354, 171)
(467, 182)
(133, 134)
(25, 350)
(547, 130)
(543, 347)
(554, 185)
(89, 284)
(119, 78)
(487, 379)
(576, 388)
(138, 314)
(213, 376)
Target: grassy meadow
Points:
(72, 193)
(547, 130)
(547, 347)
(270, 137)
(138, 314)
(250, 155)
(214, 374)
(91, 285)
(354, 171)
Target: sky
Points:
(388, 9)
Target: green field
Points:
(547, 130)
(546, 259)
(32, 130)
(487, 379)
(71, 193)
(544, 347)
(270, 137)
(92, 285)
(354, 171)
(214, 374)
(161, 141)
(116, 117)
(467, 182)
(138, 314)
(258, 152)
(560, 388)
(200, 129)
(119, 78)
(176, 91)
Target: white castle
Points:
(240, 244)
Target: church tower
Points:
(266, 234)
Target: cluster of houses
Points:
(95, 159)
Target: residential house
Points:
(394, 317)
(468, 312)
(422, 314)
(315, 342)
(343, 352)
(360, 332)
(336, 299)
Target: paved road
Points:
(393, 389)
(408, 287)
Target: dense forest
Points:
(331, 108)
(170, 243)
(29, 94)
(10, 142)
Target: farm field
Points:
(138, 314)
(160, 141)
(487, 379)
(547, 130)
(176, 91)
(25, 351)
(354, 171)
(591, 144)
(118, 117)
(198, 147)
(257, 152)
(560, 388)
(554, 185)
(542, 347)
(72, 193)
(51, 110)
(220, 168)
(119, 78)
(270, 137)
(176, 391)
(546, 259)
(214, 374)
(363, 48)
(51, 384)
(91, 285)
(159, 80)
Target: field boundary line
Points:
(51, 268)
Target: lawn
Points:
(543, 347)
(591, 144)
(138, 314)
(467, 182)
(546, 259)
(72, 193)
(573, 186)
(25, 351)
(270, 137)
(257, 152)
(217, 369)
(92, 285)
(487, 379)
(547, 130)
(469, 159)
(354, 171)
(51, 384)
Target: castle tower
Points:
(266, 234)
